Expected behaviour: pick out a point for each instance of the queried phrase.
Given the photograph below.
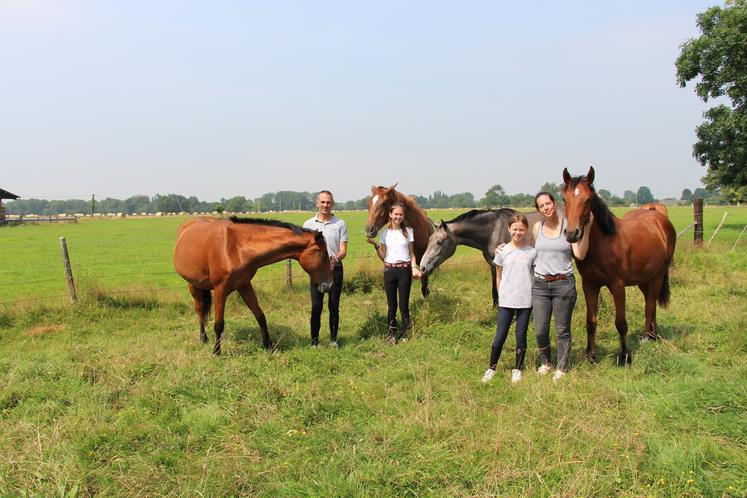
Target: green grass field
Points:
(116, 396)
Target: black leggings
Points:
(317, 303)
(397, 281)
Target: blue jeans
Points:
(505, 317)
(559, 298)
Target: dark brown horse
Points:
(224, 255)
(634, 250)
(381, 200)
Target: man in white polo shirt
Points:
(335, 233)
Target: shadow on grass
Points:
(374, 326)
(283, 338)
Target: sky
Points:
(224, 98)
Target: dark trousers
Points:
(505, 317)
(558, 298)
(317, 303)
(397, 281)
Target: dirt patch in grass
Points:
(44, 329)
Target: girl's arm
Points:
(380, 248)
(498, 274)
(581, 247)
(415, 270)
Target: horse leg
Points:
(494, 287)
(250, 298)
(220, 305)
(618, 294)
(591, 295)
(424, 289)
(202, 300)
(650, 292)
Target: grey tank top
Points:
(554, 256)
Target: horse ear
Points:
(566, 176)
(392, 187)
(590, 175)
(373, 188)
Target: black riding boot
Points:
(520, 354)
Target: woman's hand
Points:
(499, 248)
(372, 241)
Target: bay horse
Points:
(223, 255)
(636, 249)
(381, 200)
(482, 229)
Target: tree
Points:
(495, 196)
(644, 195)
(553, 188)
(717, 59)
(629, 197)
(605, 194)
(687, 195)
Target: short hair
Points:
(325, 192)
(518, 218)
(548, 194)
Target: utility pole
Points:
(93, 204)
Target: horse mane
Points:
(272, 223)
(474, 213)
(602, 214)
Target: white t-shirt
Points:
(516, 279)
(397, 246)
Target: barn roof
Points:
(4, 194)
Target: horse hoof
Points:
(204, 339)
(625, 359)
(268, 346)
(591, 357)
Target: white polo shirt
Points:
(334, 230)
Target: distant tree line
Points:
(286, 200)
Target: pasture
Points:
(115, 395)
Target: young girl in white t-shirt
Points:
(514, 262)
(396, 251)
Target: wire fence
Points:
(112, 266)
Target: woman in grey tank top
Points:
(554, 287)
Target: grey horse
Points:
(483, 229)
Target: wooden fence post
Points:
(288, 275)
(68, 271)
(698, 211)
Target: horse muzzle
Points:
(324, 286)
(574, 236)
(371, 231)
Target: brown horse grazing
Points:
(224, 255)
(634, 250)
(381, 200)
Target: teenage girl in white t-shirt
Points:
(397, 253)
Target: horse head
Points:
(441, 246)
(314, 259)
(378, 208)
(578, 194)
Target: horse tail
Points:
(206, 301)
(664, 294)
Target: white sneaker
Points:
(334, 345)
(488, 375)
(544, 369)
(558, 375)
(515, 376)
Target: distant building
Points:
(4, 194)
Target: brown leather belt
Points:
(553, 278)
(397, 265)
